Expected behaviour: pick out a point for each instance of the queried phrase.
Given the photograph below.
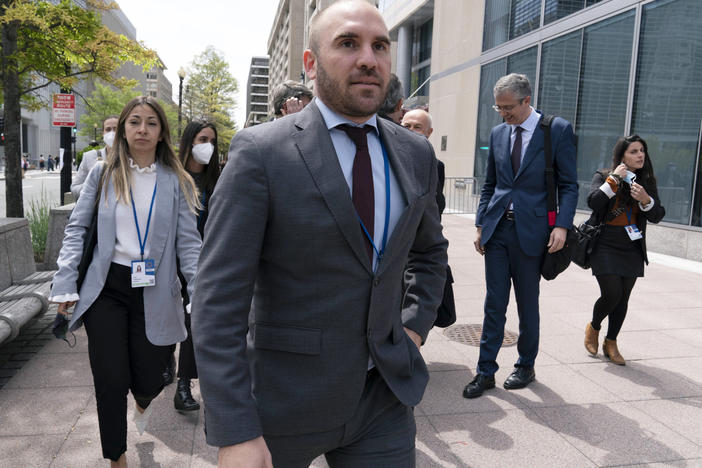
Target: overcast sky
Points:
(178, 30)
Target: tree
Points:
(102, 103)
(44, 43)
(210, 90)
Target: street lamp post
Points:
(94, 132)
(181, 76)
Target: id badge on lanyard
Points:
(144, 270)
(632, 229)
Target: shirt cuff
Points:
(647, 207)
(72, 297)
(607, 190)
(187, 307)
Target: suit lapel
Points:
(536, 145)
(503, 156)
(317, 150)
(107, 230)
(163, 209)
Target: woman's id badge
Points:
(633, 231)
(143, 273)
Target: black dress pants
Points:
(121, 357)
(186, 357)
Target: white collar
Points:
(142, 170)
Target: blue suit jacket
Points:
(527, 190)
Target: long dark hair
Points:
(185, 152)
(645, 175)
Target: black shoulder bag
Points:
(557, 262)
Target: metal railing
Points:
(462, 195)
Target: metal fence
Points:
(462, 195)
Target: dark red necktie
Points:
(363, 195)
(517, 151)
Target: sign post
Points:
(63, 114)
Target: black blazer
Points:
(601, 204)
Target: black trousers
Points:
(121, 357)
(186, 357)
(380, 434)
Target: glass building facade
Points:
(610, 72)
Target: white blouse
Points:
(127, 241)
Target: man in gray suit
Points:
(327, 361)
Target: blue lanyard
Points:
(379, 253)
(142, 245)
(628, 214)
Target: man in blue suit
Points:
(512, 225)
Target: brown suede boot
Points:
(591, 339)
(610, 350)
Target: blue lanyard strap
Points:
(628, 214)
(142, 245)
(386, 167)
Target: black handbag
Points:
(587, 238)
(90, 241)
(554, 263)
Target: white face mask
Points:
(109, 138)
(203, 152)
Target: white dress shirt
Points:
(346, 152)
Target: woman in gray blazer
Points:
(130, 300)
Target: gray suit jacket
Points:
(283, 241)
(173, 232)
(86, 164)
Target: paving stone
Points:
(29, 451)
(504, 438)
(682, 415)
(617, 434)
(41, 411)
(58, 370)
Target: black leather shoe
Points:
(183, 399)
(169, 372)
(478, 385)
(520, 378)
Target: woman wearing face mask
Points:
(109, 126)
(624, 198)
(146, 204)
(198, 153)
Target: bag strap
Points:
(545, 124)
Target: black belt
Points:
(509, 215)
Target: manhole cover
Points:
(469, 334)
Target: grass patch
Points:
(38, 217)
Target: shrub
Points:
(38, 217)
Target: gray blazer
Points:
(283, 241)
(86, 165)
(173, 233)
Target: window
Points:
(558, 81)
(508, 19)
(667, 102)
(602, 97)
(151, 76)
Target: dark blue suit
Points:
(514, 249)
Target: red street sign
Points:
(63, 110)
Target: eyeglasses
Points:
(506, 108)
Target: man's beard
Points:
(341, 100)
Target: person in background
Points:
(50, 164)
(512, 226)
(392, 105)
(109, 127)
(624, 198)
(290, 97)
(41, 163)
(146, 202)
(198, 153)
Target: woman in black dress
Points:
(198, 153)
(624, 198)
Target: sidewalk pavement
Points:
(580, 412)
